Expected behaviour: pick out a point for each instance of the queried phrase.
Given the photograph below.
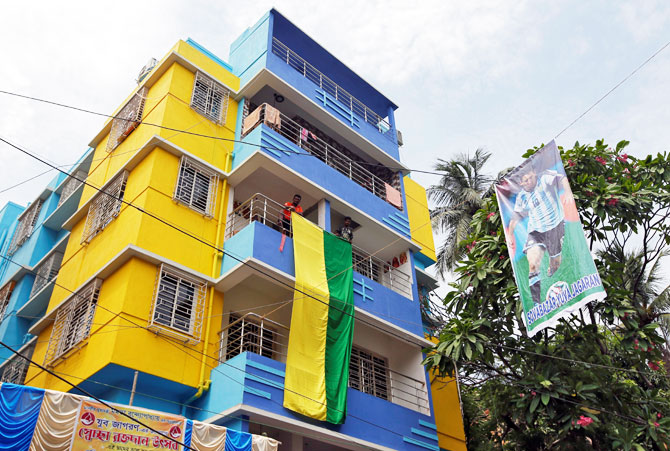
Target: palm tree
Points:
(457, 197)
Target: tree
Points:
(458, 196)
(595, 380)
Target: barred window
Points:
(196, 186)
(5, 294)
(179, 303)
(104, 207)
(245, 334)
(210, 98)
(369, 373)
(16, 368)
(46, 272)
(73, 322)
(70, 186)
(26, 225)
(127, 119)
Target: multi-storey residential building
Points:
(169, 272)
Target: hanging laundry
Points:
(303, 134)
(272, 117)
(251, 120)
(393, 196)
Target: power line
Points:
(90, 395)
(201, 135)
(615, 87)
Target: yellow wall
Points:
(447, 409)
(419, 217)
(127, 293)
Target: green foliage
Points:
(598, 379)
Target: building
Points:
(119, 283)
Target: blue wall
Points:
(248, 52)
(370, 418)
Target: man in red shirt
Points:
(288, 208)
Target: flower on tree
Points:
(584, 421)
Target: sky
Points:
(492, 74)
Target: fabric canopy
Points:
(37, 419)
(322, 324)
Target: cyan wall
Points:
(321, 174)
(369, 418)
(248, 52)
(262, 242)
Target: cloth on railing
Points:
(272, 117)
(303, 134)
(37, 420)
(321, 334)
(393, 196)
(251, 120)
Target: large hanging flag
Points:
(553, 267)
(322, 324)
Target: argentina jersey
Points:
(542, 204)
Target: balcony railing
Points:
(71, 186)
(260, 335)
(266, 211)
(329, 86)
(253, 333)
(381, 272)
(317, 147)
(46, 272)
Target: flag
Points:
(552, 263)
(322, 324)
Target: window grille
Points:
(16, 368)
(369, 373)
(26, 225)
(5, 294)
(210, 98)
(196, 186)
(73, 322)
(127, 119)
(179, 303)
(71, 185)
(46, 272)
(104, 207)
(249, 335)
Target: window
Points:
(210, 98)
(127, 119)
(26, 225)
(369, 373)
(245, 334)
(5, 294)
(104, 207)
(196, 186)
(70, 186)
(73, 322)
(179, 303)
(14, 371)
(46, 272)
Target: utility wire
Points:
(614, 88)
(201, 135)
(90, 395)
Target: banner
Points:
(553, 267)
(101, 428)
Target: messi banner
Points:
(553, 267)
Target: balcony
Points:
(331, 88)
(310, 141)
(259, 335)
(266, 211)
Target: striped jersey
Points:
(542, 204)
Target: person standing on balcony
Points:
(345, 231)
(292, 206)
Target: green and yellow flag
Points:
(322, 329)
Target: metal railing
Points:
(317, 147)
(46, 272)
(258, 208)
(253, 333)
(71, 185)
(378, 270)
(409, 392)
(329, 86)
